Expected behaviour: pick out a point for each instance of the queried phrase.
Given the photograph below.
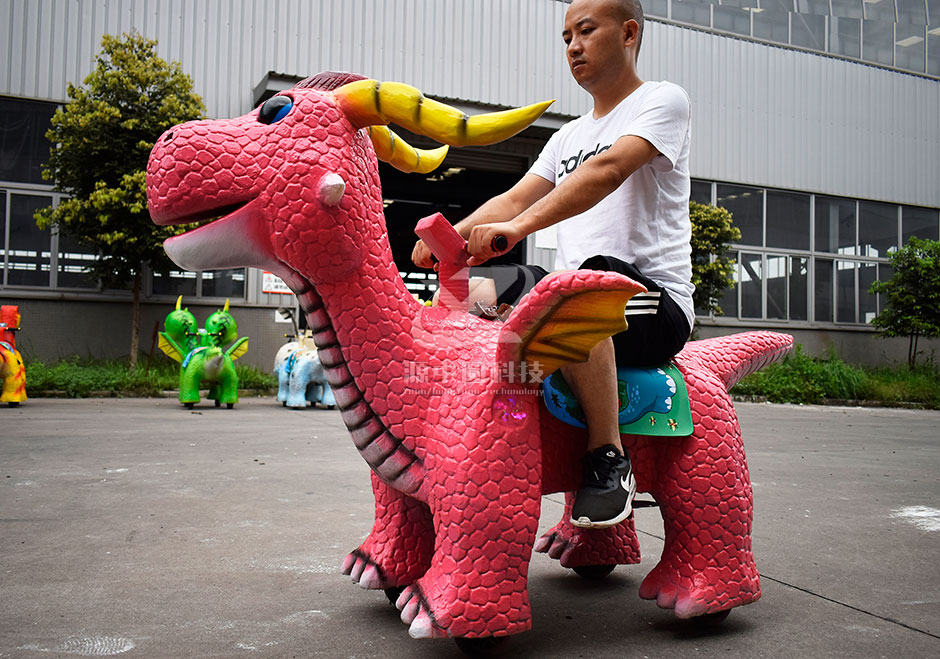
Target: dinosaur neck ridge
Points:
(387, 454)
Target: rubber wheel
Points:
(394, 593)
(593, 571)
(711, 619)
(189, 406)
(230, 405)
(13, 404)
(218, 403)
(485, 646)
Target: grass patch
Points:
(800, 378)
(78, 378)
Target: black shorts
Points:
(658, 328)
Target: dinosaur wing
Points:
(563, 317)
(169, 348)
(238, 348)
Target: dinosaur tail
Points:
(735, 356)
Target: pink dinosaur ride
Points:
(443, 405)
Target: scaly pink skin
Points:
(460, 457)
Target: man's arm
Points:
(586, 186)
(499, 209)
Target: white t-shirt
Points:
(646, 220)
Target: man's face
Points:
(595, 40)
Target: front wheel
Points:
(593, 572)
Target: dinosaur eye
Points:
(274, 109)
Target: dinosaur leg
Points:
(398, 550)
(227, 387)
(485, 502)
(297, 388)
(706, 501)
(573, 546)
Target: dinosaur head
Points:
(221, 328)
(180, 324)
(9, 323)
(294, 183)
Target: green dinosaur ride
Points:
(203, 362)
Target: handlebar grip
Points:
(499, 243)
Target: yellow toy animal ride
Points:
(12, 369)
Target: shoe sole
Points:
(585, 523)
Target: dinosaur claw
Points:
(357, 569)
(410, 611)
(371, 579)
(348, 564)
(403, 599)
(542, 544)
(558, 547)
(423, 627)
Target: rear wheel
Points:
(485, 646)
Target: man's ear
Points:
(631, 30)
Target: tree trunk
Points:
(135, 321)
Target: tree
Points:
(712, 269)
(101, 142)
(912, 295)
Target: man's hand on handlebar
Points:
(421, 256)
(489, 240)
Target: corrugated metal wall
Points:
(762, 115)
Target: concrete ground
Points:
(137, 527)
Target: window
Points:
(847, 8)
(921, 222)
(179, 282)
(28, 248)
(751, 288)
(912, 12)
(867, 303)
(845, 292)
(772, 24)
(808, 31)
(879, 10)
(933, 50)
(933, 12)
(732, 19)
(72, 259)
(878, 42)
(777, 287)
(787, 220)
(656, 8)
(814, 7)
(823, 290)
(690, 11)
(910, 48)
(729, 300)
(23, 144)
(877, 228)
(835, 225)
(223, 283)
(844, 37)
(799, 288)
(701, 192)
(747, 211)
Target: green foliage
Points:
(912, 295)
(78, 378)
(101, 142)
(712, 270)
(800, 378)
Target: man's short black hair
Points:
(633, 9)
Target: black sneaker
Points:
(607, 491)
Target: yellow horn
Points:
(225, 308)
(373, 103)
(391, 148)
(179, 302)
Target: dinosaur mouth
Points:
(240, 238)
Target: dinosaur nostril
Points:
(168, 136)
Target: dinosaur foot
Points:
(416, 612)
(364, 572)
(698, 593)
(574, 547)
